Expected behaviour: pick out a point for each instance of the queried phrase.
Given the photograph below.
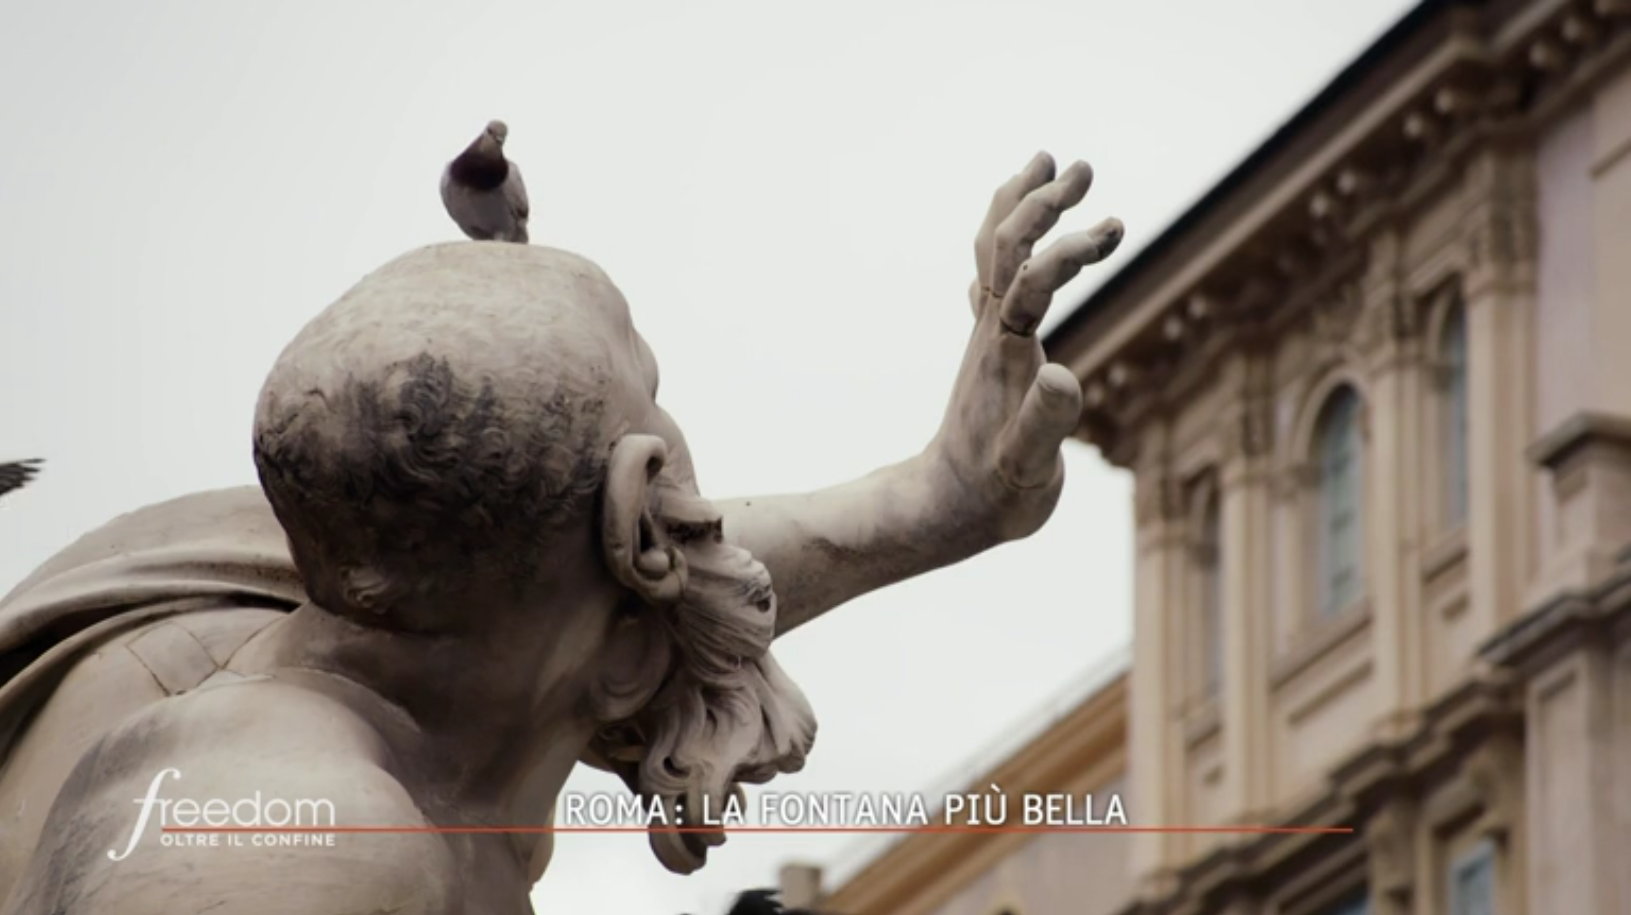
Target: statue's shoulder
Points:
(237, 521)
(197, 758)
(224, 546)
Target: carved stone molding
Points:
(1399, 781)
(1336, 316)
(1441, 373)
(1295, 479)
(1248, 430)
(1157, 497)
(1389, 321)
(1504, 239)
(1513, 238)
(1473, 127)
(1390, 839)
(1494, 773)
(1203, 553)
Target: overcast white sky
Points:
(787, 194)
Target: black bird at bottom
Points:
(763, 902)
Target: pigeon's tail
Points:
(16, 474)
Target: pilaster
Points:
(1569, 781)
(1394, 857)
(1247, 504)
(1499, 298)
(1496, 773)
(1158, 598)
(1609, 390)
(1388, 340)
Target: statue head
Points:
(468, 444)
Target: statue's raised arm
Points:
(993, 473)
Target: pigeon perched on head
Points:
(483, 191)
(16, 474)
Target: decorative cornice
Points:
(1563, 623)
(1492, 87)
(1556, 448)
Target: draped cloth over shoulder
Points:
(212, 550)
(208, 551)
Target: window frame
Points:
(1210, 600)
(1344, 403)
(1480, 856)
(1451, 413)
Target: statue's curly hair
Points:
(417, 469)
(449, 411)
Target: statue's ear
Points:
(636, 547)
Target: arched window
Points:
(1452, 347)
(1209, 559)
(1340, 533)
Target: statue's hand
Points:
(993, 472)
(998, 446)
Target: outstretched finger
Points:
(1034, 217)
(1028, 454)
(1034, 175)
(1026, 303)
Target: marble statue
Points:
(477, 558)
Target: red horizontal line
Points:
(902, 830)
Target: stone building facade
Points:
(1083, 752)
(1375, 393)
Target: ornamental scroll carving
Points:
(1295, 479)
(1248, 430)
(1389, 837)
(1502, 233)
(1156, 496)
(1336, 317)
(1493, 772)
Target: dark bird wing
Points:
(763, 902)
(16, 474)
(515, 195)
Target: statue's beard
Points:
(726, 714)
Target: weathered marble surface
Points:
(478, 558)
